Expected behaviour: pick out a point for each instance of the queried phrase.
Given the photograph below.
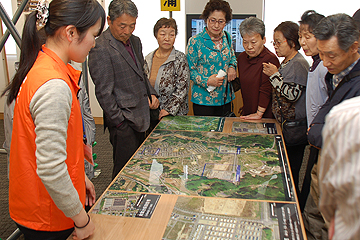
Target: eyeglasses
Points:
(220, 21)
(277, 43)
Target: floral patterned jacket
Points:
(172, 82)
(205, 60)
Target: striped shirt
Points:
(339, 176)
(338, 77)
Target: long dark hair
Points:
(83, 14)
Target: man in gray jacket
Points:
(123, 91)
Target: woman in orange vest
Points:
(47, 183)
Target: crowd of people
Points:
(316, 105)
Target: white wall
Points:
(277, 11)
(149, 13)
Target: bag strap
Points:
(228, 40)
(227, 37)
(226, 82)
(281, 112)
(283, 119)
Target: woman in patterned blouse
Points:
(207, 53)
(168, 70)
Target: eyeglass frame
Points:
(214, 21)
(274, 43)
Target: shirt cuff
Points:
(277, 74)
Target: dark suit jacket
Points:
(349, 87)
(119, 82)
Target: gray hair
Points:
(252, 25)
(341, 26)
(119, 7)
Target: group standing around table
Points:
(135, 93)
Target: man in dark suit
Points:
(337, 41)
(124, 93)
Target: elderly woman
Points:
(316, 90)
(289, 90)
(168, 70)
(207, 53)
(256, 89)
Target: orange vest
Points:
(30, 204)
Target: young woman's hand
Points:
(90, 192)
(84, 227)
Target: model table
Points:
(203, 178)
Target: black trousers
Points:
(125, 141)
(305, 190)
(296, 154)
(31, 234)
(217, 111)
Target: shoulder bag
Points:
(293, 130)
(235, 84)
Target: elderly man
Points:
(122, 89)
(356, 17)
(337, 41)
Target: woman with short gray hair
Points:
(255, 86)
(252, 25)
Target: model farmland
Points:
(191, 123)
(245, 166)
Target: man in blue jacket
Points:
(337, 40)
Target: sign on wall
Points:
(170, 5)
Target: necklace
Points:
(291, 57)
(215, 38)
